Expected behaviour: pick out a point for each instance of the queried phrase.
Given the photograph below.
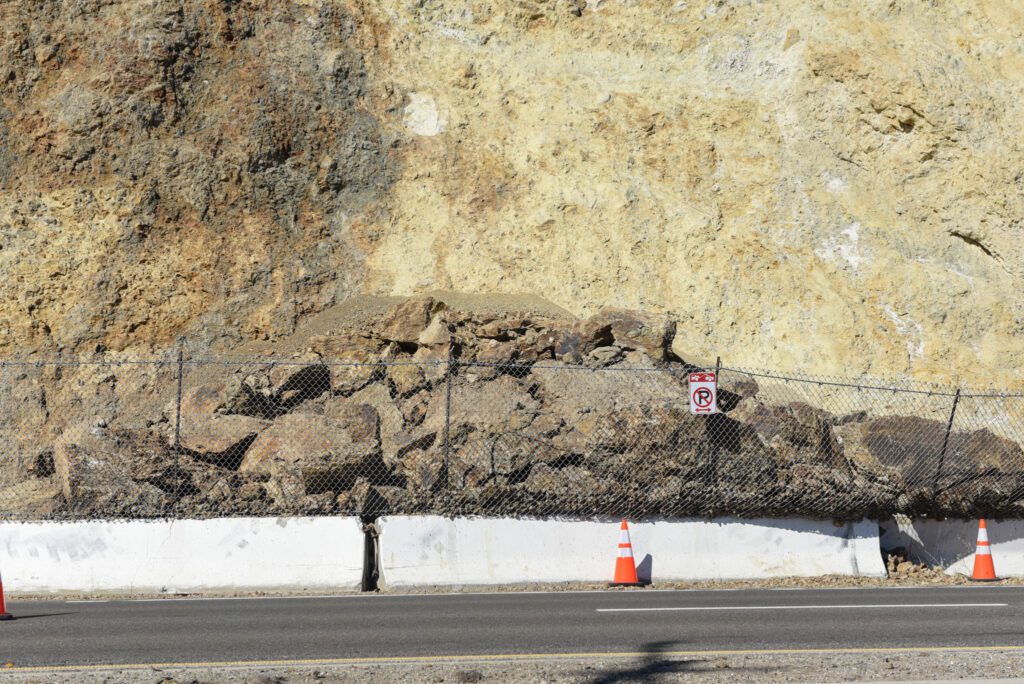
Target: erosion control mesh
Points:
(609, 436)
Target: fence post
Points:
(177, 403)
(945, 440)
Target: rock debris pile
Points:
(431, 409)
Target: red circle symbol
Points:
(703, 397)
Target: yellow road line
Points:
(512, 657)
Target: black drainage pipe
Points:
(371, 554)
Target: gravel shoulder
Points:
(905, 665)
(919, 577)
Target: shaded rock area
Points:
(430, 409)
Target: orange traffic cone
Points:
(4, 615)
(984, 570)
(625, 568)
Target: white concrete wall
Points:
(951, 543)
(224, 554)
(429, 550)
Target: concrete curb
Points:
(175, 556)
(950, 544)
(430, 550)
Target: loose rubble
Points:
(430, 409)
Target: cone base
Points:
(984, 569)
(6, 616)
(627, 584)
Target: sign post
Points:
(703, 393)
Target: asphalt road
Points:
(50, 633)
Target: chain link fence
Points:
(190, 438)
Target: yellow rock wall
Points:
(827, 187)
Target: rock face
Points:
(514, 414)
(830, 188)
(99, 471)
(323, 454)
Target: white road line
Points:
(839, 607)
(401, 595)
(378, 597)
(172, 599)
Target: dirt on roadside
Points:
(902, 574)
(666, 666)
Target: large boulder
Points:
(489, 428)
(389, 421)
(113, 473)
(627, 329)
(359, 420)
(353, 361)
(405, 322)
(489, 359)
(219, 438)
(422, 469)
(903, 449)
(322, 452)
(207, 432)
(26, 427)
(504, 403)
(263, 390)
(301, 380)
(406, 378)
(436, 334)
(901, 459)
(796, 432)
(30, 499)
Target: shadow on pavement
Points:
(654, 662)
(22, 616)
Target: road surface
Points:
(526, 625)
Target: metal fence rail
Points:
(193, 438)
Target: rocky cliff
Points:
(830, 186)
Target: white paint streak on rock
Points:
(846, 248)
(835, 183)
(910, 329)
(422, 116)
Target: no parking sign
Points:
(703, 393)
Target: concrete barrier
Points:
(429, 550)
(226, 554)
(950, 544)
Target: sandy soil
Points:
(781, 667)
